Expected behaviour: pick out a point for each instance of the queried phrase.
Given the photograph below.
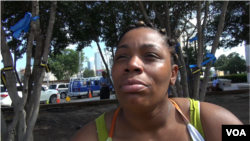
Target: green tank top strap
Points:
(195, 119)
(101, 128)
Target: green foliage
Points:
(192, 55)
(236, 27)
(66, 64)
(232, 63)
(221, 61)
(236, 78)
(88, 73)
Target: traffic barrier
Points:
(58, 98)
(90, 95)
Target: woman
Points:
(142, 71)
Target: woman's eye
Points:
(152, 55)
(121, 56)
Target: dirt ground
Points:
(62, 124)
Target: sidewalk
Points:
(237, 86)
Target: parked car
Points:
(46, 95)
(62, 88)
(45, 87)
(79, 87)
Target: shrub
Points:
(236, 78)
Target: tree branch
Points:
(141, 7)
(39, 72)
(214, 47)
(49, 30)
(199, 54)
(167, 23)
(158, 16)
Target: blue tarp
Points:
(208, 55)
(23, 24)
(193, 39)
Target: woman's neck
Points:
(151, 120)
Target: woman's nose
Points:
(134, 65)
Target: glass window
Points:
(88, 83)
(52, 87)
(2, 89)
(84, 82)
(75, 84)
(96, 82)
(19, 88)
(61, 86)
(67, 85)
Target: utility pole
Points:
(247, 52)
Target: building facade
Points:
(90, 65)
(98, 64)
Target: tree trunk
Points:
(22, 123)
(195, 47)
(141, 7)
(199, 55)
(37, 61)
(173, 90)
(11, 85)
(204, 26)
(179, 89)
(214, 47)
(167, 23)
(4, 128)
(158, 16)
(39, 72)
(183, 72)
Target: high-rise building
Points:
(98, 64)
(90, 65)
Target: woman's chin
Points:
(135, 100)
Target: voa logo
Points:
(236, 132)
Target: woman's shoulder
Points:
(210, 112)
(89, 131)
(212, 117)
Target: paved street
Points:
(75, 99)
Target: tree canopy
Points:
(236, 28)
(88, 73)
(66, 64)
(232, 63)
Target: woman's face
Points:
(142, 70)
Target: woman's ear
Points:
(174, 73)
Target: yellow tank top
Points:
(103, 134)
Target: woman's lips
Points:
(133, 88)
(133, 85)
